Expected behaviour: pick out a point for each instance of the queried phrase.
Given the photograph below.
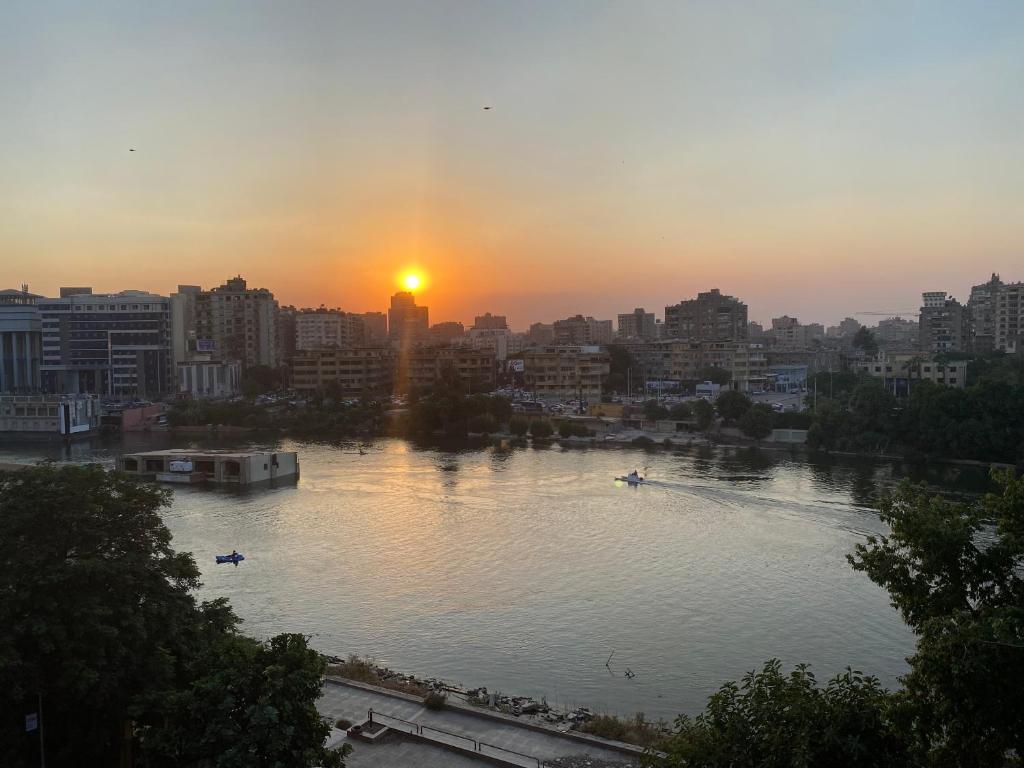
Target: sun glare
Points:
(411, 282)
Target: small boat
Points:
(234, 557)
(632, 480)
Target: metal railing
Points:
(419, 730)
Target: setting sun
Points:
(411, 282)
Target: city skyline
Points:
(840, 159)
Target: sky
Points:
(814, 159)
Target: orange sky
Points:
(813, 159)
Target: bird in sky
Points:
(486, 107)
(131, 149)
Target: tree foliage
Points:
(731, 405)
(704, 412)
(771, 719)
(98, 616)
(757, 422)
(540, 428)
(864, 340)
(954, 572)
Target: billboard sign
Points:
(206, 345)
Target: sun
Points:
(411, 281)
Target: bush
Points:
(539, 428)
(572, 429)
(643, 441)
(757, 422)
(518, 426)
(483, 423)
(633, 730)
(680, 411)
(435, 700)
(731, 405)
(343, 724)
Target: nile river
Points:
(525, 569)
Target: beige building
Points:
(565, 372)
(476, 369)
(944, 324)
(318, 328)
(898, 370)
(746, 362)
(49, 416)
(582, 330)
(235, 322)
(209, 378)
(355, 370)
(1009, 317)
(709, 317)
(638, 324)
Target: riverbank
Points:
(528, 710)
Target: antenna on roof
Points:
(24, 287)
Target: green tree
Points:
(250, 703)
(482, 423)
(756, 423)
(655, 411)
(865, 340)
(680, 411)
(518, 426)
(620, 362)
(954, 571)
(704, 413)
(540, 428)
(776, 720)
(731, 405)
(258, 379)
(98, 615)
(715, 375)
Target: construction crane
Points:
(891, 313)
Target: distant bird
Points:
(131, 149)
(486, 107)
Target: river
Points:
(524, 569)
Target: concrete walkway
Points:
(352, 703)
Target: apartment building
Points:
(354, 371)
(638, 324)
(235, 322)
(746, 362)
(565, 372)
(114, 344)
(1009, 324)
(475, 369)
(407, 321)
(710, 317)
(944, 324)
(897, 371)
(580, 330)
(316, 328)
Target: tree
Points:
(258, 379)
(757, 422)
(620, 362)
(482, 423)
(704, 413)
(774, 720)
(540, 428)
(954, 571)
(715, 375)
(655, 411)
(865, 340)
(251, 703)
(731, 405)
(680, 411)
(97, 613)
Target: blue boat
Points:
(234, 557)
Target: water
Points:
(524, 570)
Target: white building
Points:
(235, 322)
(328, 328)
(209, 378)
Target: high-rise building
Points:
(982, 308)
(319, 328)
(489, 322)
(638, 324)
(183, 322)
(944, 325)
(21, 342)
(541, 333)
(447, 332)
(896, 333)
(116, 344)
(709, 317)
(754, 330)
(578, 330)
(1009, 315)
(235, 322)
(407, 322)
(375, 327)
